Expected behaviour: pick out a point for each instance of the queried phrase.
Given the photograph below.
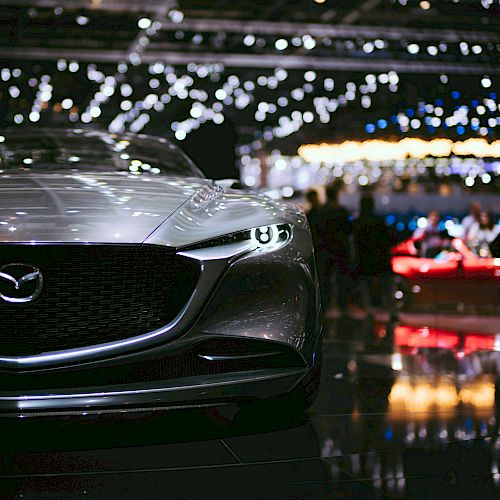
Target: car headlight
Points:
(263, 238)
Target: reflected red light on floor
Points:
(424, 337)
(474, 342)
(410, 336)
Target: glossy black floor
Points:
(403, 412)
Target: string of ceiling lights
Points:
(293, 107)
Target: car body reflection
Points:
(217, 453)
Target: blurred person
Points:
(471, 219)
(483, 234)
(431, 238)
(313, 215)
(333, 251)
(372, 248)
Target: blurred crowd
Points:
(353, 255)
(479, 232)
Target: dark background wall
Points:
(212, 148)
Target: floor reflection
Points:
(218, 453)
(408, 408)
(405, 410)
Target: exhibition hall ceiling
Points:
(280, 73)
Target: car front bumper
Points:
(187, 392)
(253, 332)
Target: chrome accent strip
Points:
(237, 357)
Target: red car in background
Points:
(454, 279)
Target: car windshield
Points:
(91, 151)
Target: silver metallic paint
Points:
(96, 208)
(116, 207)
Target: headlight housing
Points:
(262, 238)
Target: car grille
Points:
(94, 294)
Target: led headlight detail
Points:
(262, 238)
(265, 235)
(270, 237)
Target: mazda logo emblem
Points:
(20, 283)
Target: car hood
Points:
(87, 207)
(125, 208)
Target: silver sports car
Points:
(129, 282)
